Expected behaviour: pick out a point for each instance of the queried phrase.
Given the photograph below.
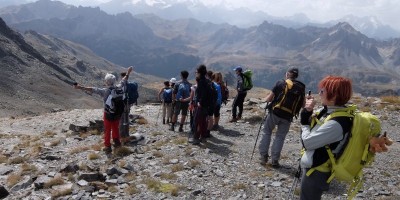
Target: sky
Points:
(387, 11)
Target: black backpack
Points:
(212, 90)
(289, 102)
(115, 110)
(132, 90)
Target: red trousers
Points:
(110, 126)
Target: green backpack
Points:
(247, 82)
(356, 155)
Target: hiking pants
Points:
(280, 135)
(200, 123)
(312, 186)
(124, 123)
(238, 102)
(167, 110)
(110, 127)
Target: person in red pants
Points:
(111, 118)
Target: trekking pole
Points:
(259, 130)
(158, 115)
(295, 182)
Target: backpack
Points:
(247, 82)
(355, 155)
(132, 90)
(289, 102)
(183, 90)
(167, 95)
(224, 93)
(116, 107)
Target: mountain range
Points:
(164, 47)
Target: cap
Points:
(238, 68)
(173, 80)
(294, 71)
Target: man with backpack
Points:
(241, 95)
(131, 96)
(166, 100)
(181, 91)
(287, 98)
(113, 106)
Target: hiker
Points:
(166, 100)
(124, 120)
(111, 121)
(172, 83)
(280, 117)
(181, 91)
(210, 113)
(203, 105)
(218, 82)
(192, 110)
(335, 92)
(241, 95)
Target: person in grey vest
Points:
(282, 121)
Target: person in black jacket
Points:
(241, 95)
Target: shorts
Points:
(217, 110)
(181, 106)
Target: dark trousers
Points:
(200, 123)
(238, 102)
(314, 185)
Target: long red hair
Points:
(337, 87)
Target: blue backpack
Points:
(132, 90)
(183, 90)
(167, 95)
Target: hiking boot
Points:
(196, 141)
(238, 118)
(264, 160)
(233, 120)
(107, 150)
(163, 121)
(180, 128)
(172, 128)
(275, 164)
(208, 134)
(117, 143)
(215, 127)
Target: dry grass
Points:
(16, 160)
(35, 150)
(168, 176)
(180, 140)
(239, 186)
(162, 187)
(142, 121)
(130, 177)
(96, 147)
(132, 129)
(122, 151)
(160, 143)
(3, 159)
(391, 99)
(54, 181)
(121, 163)
(94, 132)
(156, 133)
(166, 160)
(188, 151)
(193, 163)
(13, 179)
(55, 194)
(112, 189)
(158, 154)
(93, 156)
(365, 109)
(177, 167)
(55, 142)
(79, 149)
(71, 177)
(131, 189)
(49, 134)
(28, 169)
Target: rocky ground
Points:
(58, 155)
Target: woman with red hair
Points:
(335, 92)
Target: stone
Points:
(90, 177)
(40, 181)
(3, 192)
(25, 183)
(4, 170)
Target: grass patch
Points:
(122, 151)
(16, 160)
(188, 151)
(131, 189)
(35, 150)
(365, 109)
(156, 133)
(130, 177)
(239, 186)
(160, 143)
(180, 140)
(49, 134)
(94, 132)
(121, 163)
(112, 189)
(168, 176)
(93, 156)
(60, 193)
(13, 179)
(158, 186)
(28, 169)
(142, 121)
(391, 99)
(54, 181)
(158, 154)
(193, 163)
(3, 159)
(177, 167)
(79, 149)
(96, 147)
(55, 142)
